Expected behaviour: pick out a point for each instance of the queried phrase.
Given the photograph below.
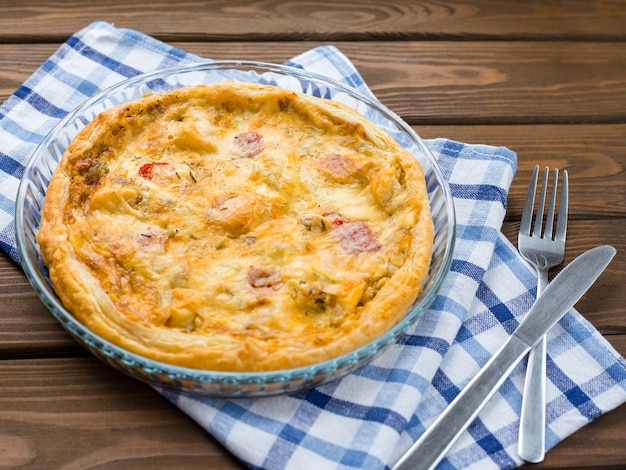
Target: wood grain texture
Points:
(107, 420)
(288, 20)
(443, 82)
(479, 82)
(85, 402)
(593, 155)
(545, 79)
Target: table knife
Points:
(556, 300)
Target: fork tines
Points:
(527, 215)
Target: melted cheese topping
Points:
(236, 227)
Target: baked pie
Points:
(236, 227)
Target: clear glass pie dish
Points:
(41, 166)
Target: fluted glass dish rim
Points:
(44, 159)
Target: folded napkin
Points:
(370, 417)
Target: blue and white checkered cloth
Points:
(370, 417)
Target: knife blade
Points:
(555, 301)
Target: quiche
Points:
(236, 227)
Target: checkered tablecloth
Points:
(370, 417)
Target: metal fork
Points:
(543, 248)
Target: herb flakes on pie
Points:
(236, 227)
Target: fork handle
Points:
(532, 433)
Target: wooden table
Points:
(546, 79)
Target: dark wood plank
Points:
(109, 420)
(79, 413)
(22, 312)
(546, 79)
(35, 20)
(442, 82)
(496, 82)
(593, 155)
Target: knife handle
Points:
(559, 297)
(433, 445)
(532, 432)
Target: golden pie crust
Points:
(236, 227)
